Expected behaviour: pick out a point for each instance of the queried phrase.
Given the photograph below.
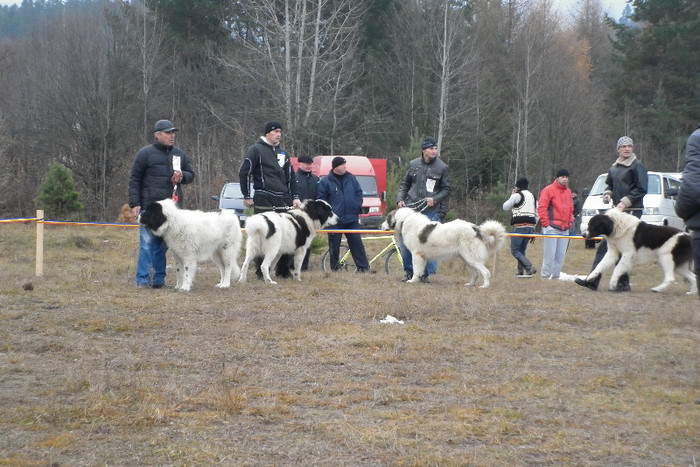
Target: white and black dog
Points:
(273, 234)
(432, 241)
(195, 236)
(633, 241)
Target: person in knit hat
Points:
(556, 213)
(626, 185)
(343, 192)
(425, 188)
(523, 219)
(272, 174)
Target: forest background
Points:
(509, 88)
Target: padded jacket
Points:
(688, 200)
(151, 173)
(344, 194)
(556, 207)
(421, 176)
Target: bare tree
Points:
(303, 56)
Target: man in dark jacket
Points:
(156, 174)
(343, 192)
(425, 188)
(273, 180)
(688, 200)
(626, 185)
(307, 188)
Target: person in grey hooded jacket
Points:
(688, 200)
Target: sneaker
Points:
(585, 283)
(407, 277)
(531, 270)
(524, 275)
(424, 279)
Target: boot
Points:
(592, 285)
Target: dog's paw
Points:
(222, 286)
(271, 282)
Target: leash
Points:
(420, 202)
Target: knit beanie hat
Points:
(428, 142)
(522, 184)
(337, 161)
(624, 140)
(270, 126)
(562, 173)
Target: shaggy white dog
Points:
(432, 241)
(273, 234)
(195, 236)
(633, 241)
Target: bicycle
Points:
(388, 252)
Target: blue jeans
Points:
(150, 268)
(357, 248)
(518, 246)
(430, 266)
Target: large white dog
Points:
(432, 241)
(195, 236)
(633, 241)
(273, 234)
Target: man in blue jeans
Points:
(157, 173)
(524, 211)
(425, 188)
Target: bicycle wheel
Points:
(392, 261)
(344, 254)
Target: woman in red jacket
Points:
(556, 213)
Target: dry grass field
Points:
(530, 371)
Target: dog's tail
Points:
(493, 235)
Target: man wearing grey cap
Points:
(626, 185)
(157, 173)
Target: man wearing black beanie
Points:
(273, 180)
(524, 211)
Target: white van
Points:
(658, 202)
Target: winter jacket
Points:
(426, 180)
(151, 173)
(307, 185)
(270, 168)
(344, 194)
(556, 207)
(522, 205)
(688, 200)
(627, 183)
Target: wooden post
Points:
(40, 243)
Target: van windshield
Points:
(368, 184)
(599, 186)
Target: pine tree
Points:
(57, 195)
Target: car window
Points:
(654, 187)
(232, 191)
(669, 184)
